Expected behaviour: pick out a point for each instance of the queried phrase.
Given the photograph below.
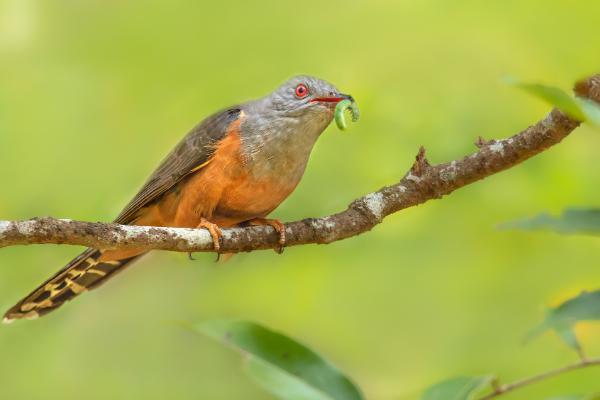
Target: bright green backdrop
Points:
(94, 93)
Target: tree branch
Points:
(421, 183)
(509, 387)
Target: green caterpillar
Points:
(339, 114)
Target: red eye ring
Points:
(301, 91)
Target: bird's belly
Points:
(248, 198)
(223, 195)
(229, 190)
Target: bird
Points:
(233, 168)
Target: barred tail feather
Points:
(83, 273)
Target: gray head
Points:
(284, 125)
(303, 103)
(305, 95)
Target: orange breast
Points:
(247, 197)
(226, 193)
(223, 191)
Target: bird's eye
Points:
(301, 91)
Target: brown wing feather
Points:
(190, 154)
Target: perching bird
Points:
(234, 167)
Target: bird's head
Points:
(284, 125)
(293, 116)
(306, 97)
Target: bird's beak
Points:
(336, 98)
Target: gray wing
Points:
(192, 151)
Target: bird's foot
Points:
(215, 233)
(275, 224)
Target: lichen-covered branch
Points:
(421, 183)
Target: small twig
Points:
(421, 163)
(481, 142)
(509, 387)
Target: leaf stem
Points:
(509, 387)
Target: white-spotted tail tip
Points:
(7, 321)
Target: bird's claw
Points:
(275, 224)
(215, 233)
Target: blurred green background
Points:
(94, 93)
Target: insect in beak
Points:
(341, 108)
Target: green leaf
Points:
(286, 368)
(553, 95)
(562, 319)
(591, 110)
(581, 109)
(571, 221)
(460, 388)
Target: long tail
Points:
(83, 273)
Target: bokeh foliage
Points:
(94, 93)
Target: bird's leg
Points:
(215, 233)
(277, 225)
